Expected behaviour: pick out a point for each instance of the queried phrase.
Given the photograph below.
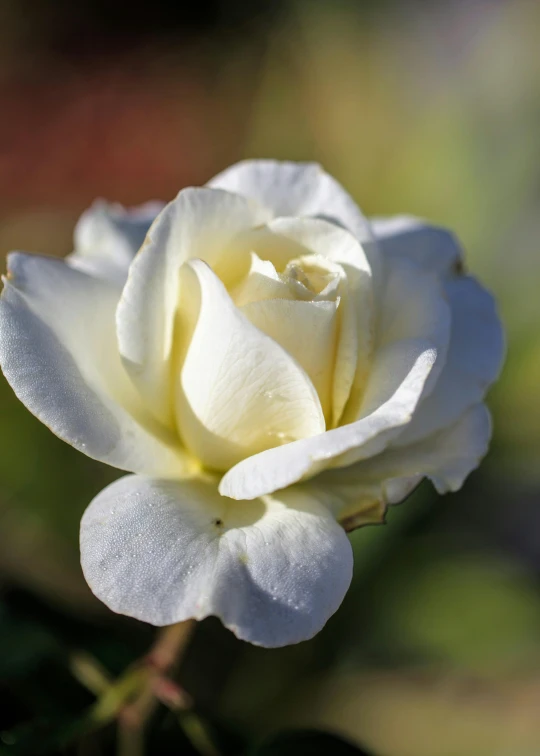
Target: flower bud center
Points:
(314, 275)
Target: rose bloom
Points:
(273, 368)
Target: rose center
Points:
(313, 275)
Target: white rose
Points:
(272, 367)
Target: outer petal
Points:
(239, 391)
(274, 571)
(199, 223)
(58, 351)
(108, 236)
(356, 503)
(473, 362)
(411, 311)
(294, 189)
(446, 457)
(411, 305)
(432, 248)
(399, 373)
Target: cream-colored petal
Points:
(401, 369)
(58, 351)
(317, 236)
(238, 392)
(397, 489)
(397, 379)
(301, 189)
(446, 457)
(199, 223)
(355, 343)
(307, 331)
(268, 245)
(355, 338)
(261, 282)
(356, 503)
(411, 337)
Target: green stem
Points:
(140, 702)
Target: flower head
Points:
(272, 367)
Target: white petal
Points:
(300, 189)
(413, 305)
(400, 371)
(306, 331)
(353, 506)
(412, 335)
(410, 309)
(397, 380)
(397, 489)
(463, 445)
(353, 353)
(356, 498)
(473, 362)
(432, 248)
(199, 223)
(261, 282)
(273, 571)
(320, 237)
(446, 457)
(58, 351)
(239, 392)
(294, 189)
(108, 236)
(356, 306)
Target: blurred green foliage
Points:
(432, 110)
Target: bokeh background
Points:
(430, 109)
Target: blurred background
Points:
(429, 109)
